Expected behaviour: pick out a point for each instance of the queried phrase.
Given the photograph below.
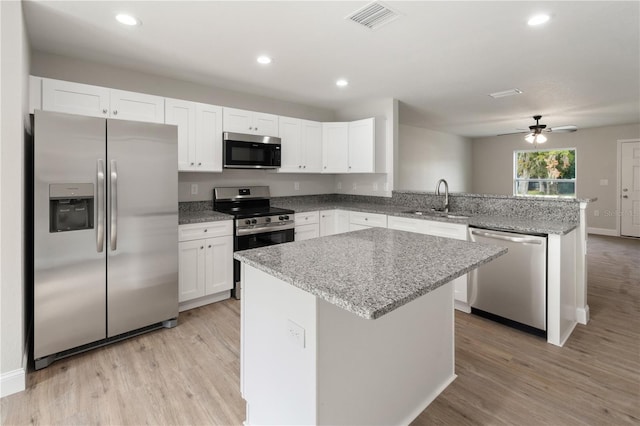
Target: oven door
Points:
(251, 155)
(246, 242)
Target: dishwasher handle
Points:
(522, 240)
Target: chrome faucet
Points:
(446, 194)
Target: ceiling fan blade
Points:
(563, 129)
(514, 133)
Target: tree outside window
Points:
(548, 173)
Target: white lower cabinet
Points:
(456, 231)
(307, 226)
(359, 220)
(333, 222)
(205, 263)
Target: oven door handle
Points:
(263, 229)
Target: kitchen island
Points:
(355, 328)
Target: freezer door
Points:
(69, 262)
(142, 225)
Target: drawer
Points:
(448, 230)
(196, 231)
(407, 224)
(368, 219)
(307, 218)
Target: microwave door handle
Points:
(113, 243)
(100, 206)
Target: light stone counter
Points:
(373, 271)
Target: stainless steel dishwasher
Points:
(513, 288)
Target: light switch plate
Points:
(194, 189)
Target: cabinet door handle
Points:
(192, 164)
(209, 245)
(625, 196)
(104, 111)
(115, 112)
(304, 167)
(366, 218)
(199, 164)
(201, 247)
(205, 230)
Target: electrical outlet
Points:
(355, 186)
(194, 189)
(596, 213)
(339, 185)
(375, 186)
(295, 333)
(604, 182)
(386, 186)
(296, 186)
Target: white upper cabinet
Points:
(209, 137)
(75, 98)
(199, 135)
(312, 146)
(242, 121)
(349, 147)
(95, 101)
(183, 114)
(362, 146)
(335, 147)
(136, 106)
(301, 145)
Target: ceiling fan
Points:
(534, 134)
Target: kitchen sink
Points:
(436, 213)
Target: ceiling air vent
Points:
(373, 16)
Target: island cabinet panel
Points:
(278, 373)
(307, 361)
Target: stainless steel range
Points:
(257, 224)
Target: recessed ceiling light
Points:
(264, 60)
(538, 20)
(125, 19)
(342, 83)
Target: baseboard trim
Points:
(205, 300)
(603, 231)
(12, 382)
(582, 315)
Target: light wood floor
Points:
(190, 374)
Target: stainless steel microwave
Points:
(243, 151)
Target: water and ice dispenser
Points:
(70, 206)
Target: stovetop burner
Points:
(246, 202)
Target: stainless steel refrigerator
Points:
(105, 236)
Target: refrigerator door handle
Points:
(114, 205)
(100, 207)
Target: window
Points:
(548, 173)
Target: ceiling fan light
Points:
(541, 138)
(530, 138)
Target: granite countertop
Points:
(186, 217)
(373, 271)
(505, 223)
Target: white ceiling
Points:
(439, 59)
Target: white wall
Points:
(72, 69)
(14, 73)
(385, 111)
(280, 184)
(596, 152)
(425, 156)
